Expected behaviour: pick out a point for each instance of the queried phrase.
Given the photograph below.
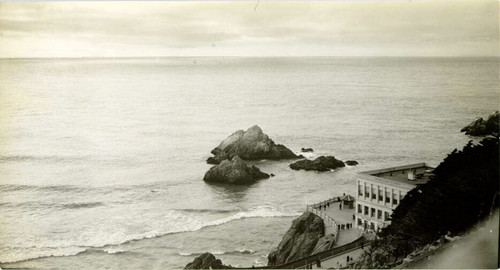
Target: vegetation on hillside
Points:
(463, 190)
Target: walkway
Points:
(340, 261)
(334, 216)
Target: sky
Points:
(249, 28)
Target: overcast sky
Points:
(233, 28)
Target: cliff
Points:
(300, 240)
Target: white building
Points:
(380, 191)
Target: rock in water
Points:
(351, 162)
(206, 261)
(479, 127)
(252, 144)
(300, 240)
(307, 150)
(320, 164)
(234, 171)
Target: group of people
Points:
(324, 206)
(345, 226)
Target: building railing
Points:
(331, 223)
(328, 220)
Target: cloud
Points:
(236, 28)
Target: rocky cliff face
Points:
(252, 144)
(206, 261)
(480, 127)
(320, 164)
(300, 240)
(234, 171)
(324, 243)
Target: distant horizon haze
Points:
(249, 29)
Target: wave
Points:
(64, 188)
(82, 205)
(111, 245)
(206, 210)
(57, 159)
(39, 205)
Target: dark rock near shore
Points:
(206, 261)
(307, 150)
(320, 164)
(252, 144)
(300, 240)
(351, 162)
(234, 171)
(480, 127)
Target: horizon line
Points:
(258, 56)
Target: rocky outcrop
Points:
(320, 164)
(307, 150)
(351, 162)
(300, 240)
(480, 127)
(324, 243)
(252, 144)
(234, 171)
(206, 261)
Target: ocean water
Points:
(102, 160)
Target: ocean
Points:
(102, 160)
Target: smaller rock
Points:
(234, 171)
(320, 164)
(351, 162)
(307, 150)
(272, 175)
(206, 261)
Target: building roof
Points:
(399, 175)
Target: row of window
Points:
(373, 194)
(367, 211)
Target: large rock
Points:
(252, 144)
(234, 171)
(206, 261)
(300, 240)
(320, 164)
(480, 127)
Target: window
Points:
(374, 196)
(360, 222)
(379, 214)
(366, 210)
(360, 208)
(386, 216)
(372, 214)
(360, 189)
(395, 201)
(380, 195)
(387, 199)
